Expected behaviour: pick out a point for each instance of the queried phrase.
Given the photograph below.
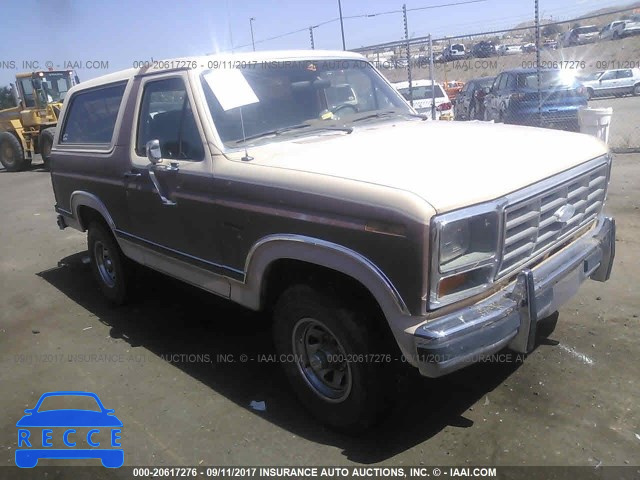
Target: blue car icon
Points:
(67, 420)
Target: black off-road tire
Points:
(111, 269)
(45, 143)
(362, 339)
(11, 153)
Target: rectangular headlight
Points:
(464, 253)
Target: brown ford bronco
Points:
(239, 175)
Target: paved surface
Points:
(574, 400)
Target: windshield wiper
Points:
(280, 131)
(375, 115)
(387, 114)
(277, 131)
(335, 128)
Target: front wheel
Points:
(11, 153)
(110, 267)
(332, 354)
(46, 142)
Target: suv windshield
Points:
(548, 80)
(585, 30)
(485, 82)
(267, 99)
(590, 76)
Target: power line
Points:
(422, 40)
(364, 15)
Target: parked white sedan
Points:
(624, 81)
(423, 94)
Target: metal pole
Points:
(253, 43)
(313, 46)
(344, 46)
(406, 37)
(433, 90)
(537, 13)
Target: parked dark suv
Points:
(484, 49)
(514, 99)
(469, 104)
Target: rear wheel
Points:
(46, 142)
(11, 153)
(636, 90)
(331, 350)
(111, 269)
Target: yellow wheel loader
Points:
(28, 128)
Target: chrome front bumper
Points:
(509, 317)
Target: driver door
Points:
(491, 99)
(607, 83)
(169, 202)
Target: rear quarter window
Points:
(91, 116)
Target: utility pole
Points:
(313, 46)
(433, 82)
(537, 13)
(344, 45)
(253, 42)
(406, 37)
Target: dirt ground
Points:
(574, 400)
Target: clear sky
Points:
(120, 32)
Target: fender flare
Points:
(81, 198)
(317, 252)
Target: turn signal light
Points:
(451, 284)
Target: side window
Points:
(503, 82)
(625, 74)
(166, 115)
(27, 90)
(608, 75)
(496, 83)
(91, 117)
(511, 82)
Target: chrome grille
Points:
(531, 226)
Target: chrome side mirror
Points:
(154, 153)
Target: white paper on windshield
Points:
(231, 88)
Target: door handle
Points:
(132, 174)
(156, 184)
(173, 167)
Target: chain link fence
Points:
(526, 75)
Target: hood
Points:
(448, 164)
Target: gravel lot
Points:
(624, 132)
(574, 400)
